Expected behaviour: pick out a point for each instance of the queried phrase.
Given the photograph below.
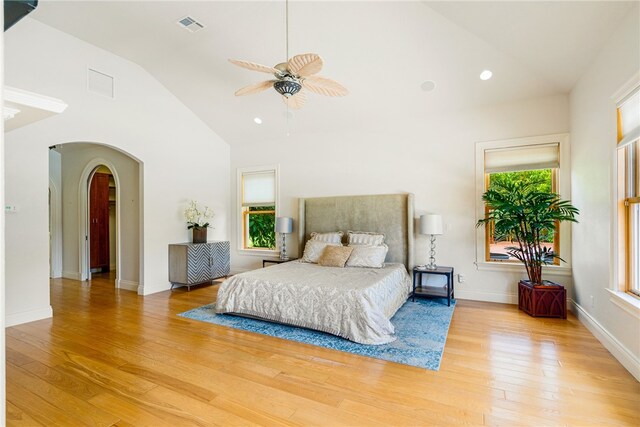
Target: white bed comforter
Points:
(354, 303)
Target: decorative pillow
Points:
(335, 256)
(313, 249)
(368, 256)
(333, 237)
(365, 238)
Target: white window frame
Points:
(617, 288)
(563, 188)
(239, 216)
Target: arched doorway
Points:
(74, 170)
(99, 196)
(102, 236)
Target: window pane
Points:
(634, 248)
(636, 169)
(540, 180)
(629, 119)
(260, 225)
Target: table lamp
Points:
(431, 224)
(284, 226)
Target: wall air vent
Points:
(100, 83)
(190, 24)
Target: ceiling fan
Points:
(292, 77)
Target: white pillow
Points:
(313, 249)
(368, 256)
(333, 237)
(365, 238)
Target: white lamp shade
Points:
(284, 224)
(430, 224)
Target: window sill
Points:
(552, 270)
(627, 302)
(258, 252)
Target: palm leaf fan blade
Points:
(255, 88)
(254, 67)
(305, 64)
(296, 101)
(324, 86)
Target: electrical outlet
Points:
(461, 278)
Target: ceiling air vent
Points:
(100, 83)
(190, 24)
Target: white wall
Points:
(75, 158)
(55, 214)
(593, 130)
(181, 158)
(432, 157)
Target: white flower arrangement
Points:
(197, 218)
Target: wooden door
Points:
(99, 222)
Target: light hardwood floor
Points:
(114, 358)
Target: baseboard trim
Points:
(148, 290)
(28, 316)
(128, 285)
(73, 275)
(487, 296)
(615, 347)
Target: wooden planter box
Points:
(549, 300)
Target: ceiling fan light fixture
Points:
(287, 87)
(292, 76)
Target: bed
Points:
(353, 302)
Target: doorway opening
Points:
(101, 230)
(74, 167)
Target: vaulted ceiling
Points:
(381, 51)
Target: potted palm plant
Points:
(529, 217)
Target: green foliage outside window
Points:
(261, 228)
(535, 181)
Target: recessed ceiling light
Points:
(428, 86)
(257, 120)
(486, 75)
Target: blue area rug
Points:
(421, 331)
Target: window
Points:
(542, 180)
(628, 191)
(257, 195)
(536, 162)
(532, 165)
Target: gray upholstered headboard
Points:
(390, 214)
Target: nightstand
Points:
(276, 261)
(434, 291)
